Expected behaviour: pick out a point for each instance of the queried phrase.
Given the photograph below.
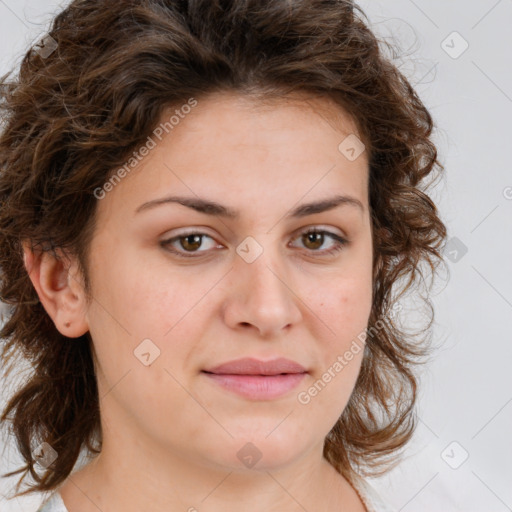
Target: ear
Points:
(60, 289)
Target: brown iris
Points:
(314, 237)
(195, 242)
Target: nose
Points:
(261, 297)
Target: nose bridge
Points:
(267, 281)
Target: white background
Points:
(466, 392)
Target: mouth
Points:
(257, 380)
(251, 366)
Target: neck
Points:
(139, 476)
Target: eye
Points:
(189, 243)
(315, 238)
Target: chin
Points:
(260, 452)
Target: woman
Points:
(206, 211)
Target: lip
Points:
(252, 366)
(256, 379)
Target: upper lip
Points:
(251, 366)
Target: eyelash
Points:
(339, 245)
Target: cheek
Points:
(344, 308)
(342, 300)
(139, 300)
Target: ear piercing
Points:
(67, 324)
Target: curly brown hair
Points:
(72, 117)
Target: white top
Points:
(366, 492)
(372, 501)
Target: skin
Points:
(170, 434)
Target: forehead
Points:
(238, 114)
(241, 147)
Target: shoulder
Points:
(53, 503)
(371, 499)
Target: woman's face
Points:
(168, 305)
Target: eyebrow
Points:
(213, 208)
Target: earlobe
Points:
(59, 287)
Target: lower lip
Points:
(258, 387)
